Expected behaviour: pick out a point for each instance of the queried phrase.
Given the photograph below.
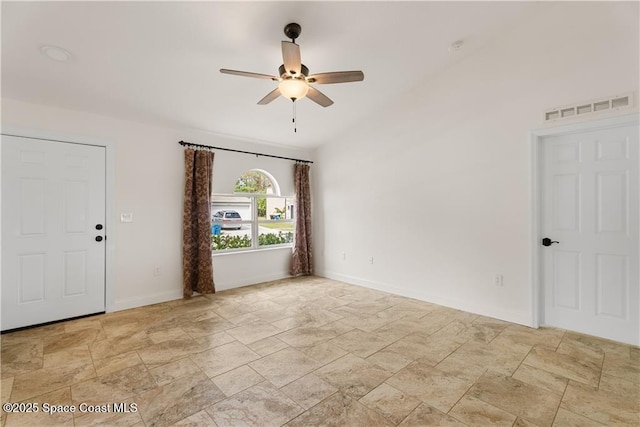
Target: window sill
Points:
(251, 251)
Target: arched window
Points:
(254, 217)
(257, 181)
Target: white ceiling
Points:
(158, 61)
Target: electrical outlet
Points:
(371, 260)
(156, 271)
(498, 280)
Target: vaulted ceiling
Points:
(159, 62)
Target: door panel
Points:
(75, 206)
(566, 204)
(53, 195)
(32, 206)
(31, 278)
(611, 202)
(75, 273)
(566, 279)
(590, 206)
(612, 285)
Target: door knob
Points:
(548, 242)
(98, 226)
(98, 238)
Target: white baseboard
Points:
(494, 312)
(147, 300)
(177, 294)
(248, 281)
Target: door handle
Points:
(548, 242)
(98, 238)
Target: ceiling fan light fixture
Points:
(293, 89)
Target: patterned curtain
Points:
(197, 268)
(301, 258)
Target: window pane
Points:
(222, 239)
(230, 226)
(254, 182)
(232, 207)
(269, 236)
(275, 225)
(275, 208)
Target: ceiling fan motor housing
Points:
(292, 30)
(304, 71)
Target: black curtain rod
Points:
(189, 144)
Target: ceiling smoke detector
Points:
(56, 53)
(456, 45)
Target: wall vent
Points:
(601, 105)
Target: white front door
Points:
(590, 208)
(53, 214)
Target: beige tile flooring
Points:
(312, 351)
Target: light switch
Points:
(126, 217)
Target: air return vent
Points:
(602, 105)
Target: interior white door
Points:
(590, 207)
(53, 214)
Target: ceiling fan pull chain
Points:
(295, 127)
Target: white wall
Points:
(149, 184)
(457, 148)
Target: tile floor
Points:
(312, 351)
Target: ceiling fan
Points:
(294, 81)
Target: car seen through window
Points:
(228, 220)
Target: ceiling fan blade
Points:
(248, 74)
(270, 97)
(336, 77)
(291, 57)
(318, 97)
